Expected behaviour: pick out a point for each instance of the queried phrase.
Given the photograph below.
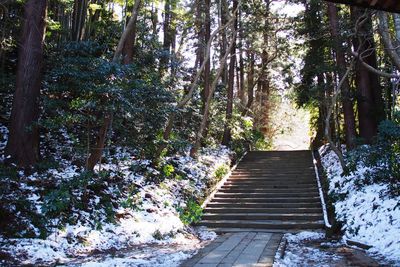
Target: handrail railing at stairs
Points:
(321, 193)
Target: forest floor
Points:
(314, 250)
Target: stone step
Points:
(308, 187)
(246, 205)
(266, 183)
(263, 216)
(286, 179)
(276, 176)
(267, 200)
(265, 224)
(275, 165)
(262, 190)
(265, 195)
(282, 170)
(263, 210)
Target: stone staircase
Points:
(274, 191)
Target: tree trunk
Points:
(348, 111)
(193, 87)
(167, 39)
(207, 33)
(390, 49)
(23, 142)
(127, 52)
(97, 150)
(226, 139)
(79, 19)
(264, 79)
(396, 18)
(223, 43)
(250, 82)
(204, 121)
(120, 55)
(369, 93)
(242, 87)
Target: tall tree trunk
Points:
(193, 87)
(78, 19)
(23, 142)
(250, 82)
(348, 111)
(242, 87)
(223, 43)
(369, 93)
(207, 33)
(127, 52)
(206, 113)
(264, 79)
(396, 18)
(226, 139)
(120, 55)
(167, 36)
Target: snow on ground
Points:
(3, 140)
(151, 217)
(368, 214)
(303, 249)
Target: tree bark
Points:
(264, 79)
(242, 86)
(383, 28)
(182, 103)
(224, 41)
(120, 55)
(348, 111)
(250, 82)
(79, 19)
(195, 148)
(128, 43)
(167, 39)
(226, 139)
(207, 33)
(369, 93)
(23, 142)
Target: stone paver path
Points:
(242, 249)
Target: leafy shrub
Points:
(221, 171)
(382, 158)
(168, 170)
(191, 213)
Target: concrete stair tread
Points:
(264, 205)
(267, 221)
(264, 210)
(221, 230)
(269, 190)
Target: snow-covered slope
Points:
(369, 214)
(151, 219)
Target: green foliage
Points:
(19, 216)
(76, 194)
(133, 200)
(220, 172)
(191, 213)
(83, 86)
(382, 157)
(168, 170)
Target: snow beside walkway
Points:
(301, 252)
(369, 215)
(154, 221)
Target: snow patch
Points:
(369, 215)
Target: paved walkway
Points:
(243, 249)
